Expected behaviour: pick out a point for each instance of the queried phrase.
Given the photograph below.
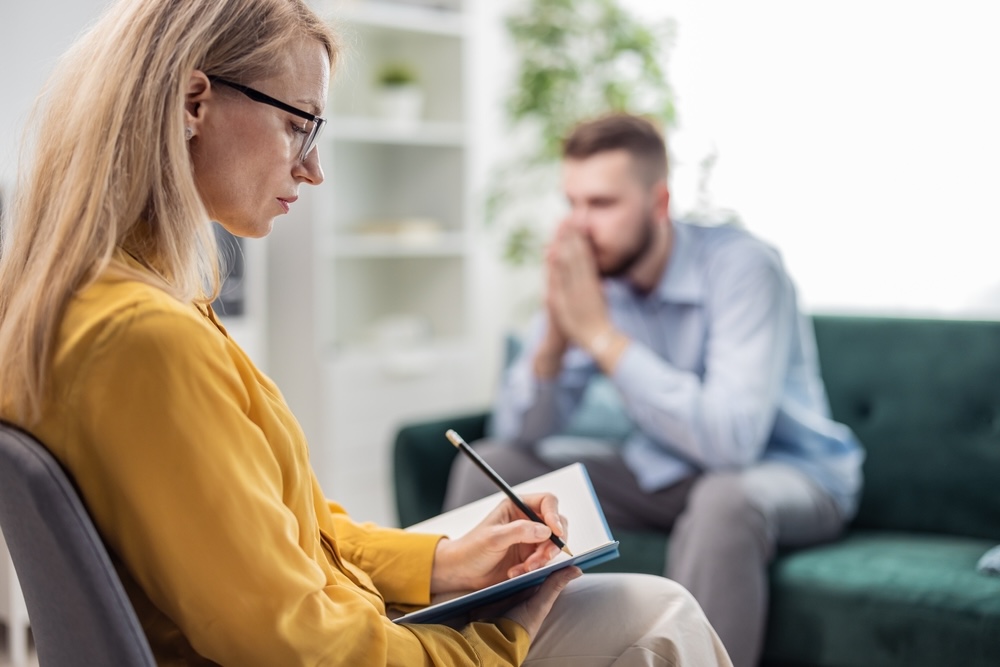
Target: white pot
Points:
(402, 105)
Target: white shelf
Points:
(382, 388)
(401, 16)
(388, 244)
(248, 332)
(446, 244)
(363, 356)
(376, 130)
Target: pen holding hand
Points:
(502, 546)
(464, 447)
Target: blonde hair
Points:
(110, 166)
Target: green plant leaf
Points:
(396, 74)
(576, 59)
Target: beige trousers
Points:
(724, 527)
(626, 620)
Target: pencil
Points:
(463, 446)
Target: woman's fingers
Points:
(532, 612)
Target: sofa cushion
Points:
(601, 414)
(923, 396)
(880, 598)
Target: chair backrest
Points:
(78, 609)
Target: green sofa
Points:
(901, 588)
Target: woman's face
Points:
(245, 153)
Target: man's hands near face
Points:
(574, 302)
(574, 298)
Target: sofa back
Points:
(923, 396)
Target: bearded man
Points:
(732, 449)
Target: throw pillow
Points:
(990, 562)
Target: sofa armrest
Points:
(422, 459)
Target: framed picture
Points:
(231, 301)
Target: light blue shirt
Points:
(721, 372)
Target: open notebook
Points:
(590, 539)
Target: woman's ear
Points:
(199, 90)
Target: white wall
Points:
(32, 37)
(859, 136)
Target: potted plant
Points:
(576, 59)
(399, 98)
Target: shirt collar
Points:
(681, 281)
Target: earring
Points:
(188, 133)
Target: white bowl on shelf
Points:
(400, 106)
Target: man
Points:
(698, 329)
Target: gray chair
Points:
(78, 609)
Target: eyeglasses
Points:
(314, 125)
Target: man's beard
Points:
(643, 244)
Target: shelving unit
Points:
(242, 307)
(392, 246)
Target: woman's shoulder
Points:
(123, 313)
(114, 300)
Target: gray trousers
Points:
(724, 526)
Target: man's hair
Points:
(106, 165)
(638, 136)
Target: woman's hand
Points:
(504, 545)
(532, 612)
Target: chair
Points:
(79, 612)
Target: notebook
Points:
(589, 539)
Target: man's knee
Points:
(722, 509)
(466, 482)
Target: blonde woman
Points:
(165, 115)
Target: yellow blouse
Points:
(198, 477)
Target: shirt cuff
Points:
(411, 579)
(633, 367)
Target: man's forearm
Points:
(548, 358)
(606, 348)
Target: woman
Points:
(165, 115)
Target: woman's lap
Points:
(625, 620)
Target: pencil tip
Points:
(568, 552)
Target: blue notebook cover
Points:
(589, 539)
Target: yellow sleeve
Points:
(398, 562)
(190, 494)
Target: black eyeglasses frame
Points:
(257, 96)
